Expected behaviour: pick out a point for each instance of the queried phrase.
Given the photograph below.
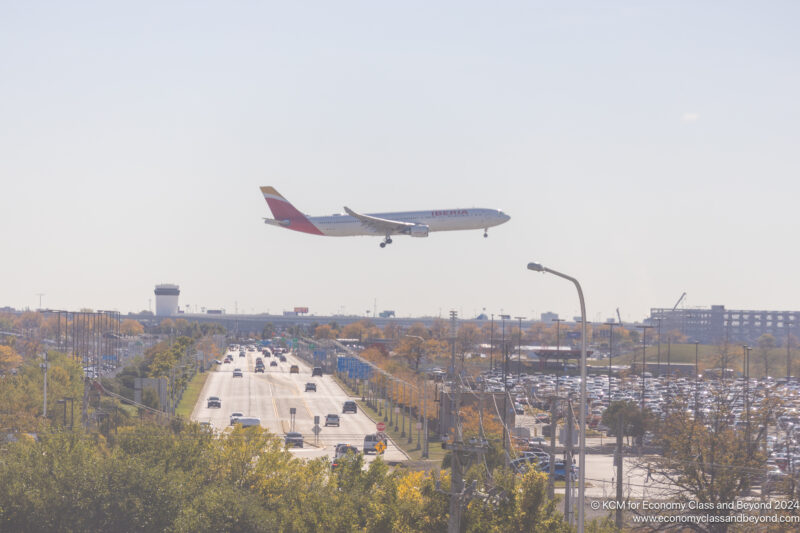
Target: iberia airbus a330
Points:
(414, 223)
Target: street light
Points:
(538, 267)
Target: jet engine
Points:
(419, 230)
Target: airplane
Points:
(413, 223)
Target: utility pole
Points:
(457, 481)
(618, 458)
(659, 347)
(491, 346)
(610, 355)
(568, 467)
(788, 352)
(43, 366)
(519, 347)
(550, 479)
(506, 436)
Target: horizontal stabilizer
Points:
(273, 222)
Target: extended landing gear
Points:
(485, 233)
(387, 240)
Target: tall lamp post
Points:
(559, 365)
(610, 354)
(424, 407)
(519, 347)
(696, 375)
(644, 359)
(538, 267)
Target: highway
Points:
(269, 396)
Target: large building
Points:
(167, 299)
(717, 324)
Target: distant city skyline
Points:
(646, 149)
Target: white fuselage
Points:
(436, 220)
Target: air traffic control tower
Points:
(167, 299)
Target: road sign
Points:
(292, 410)
(316, 420)
(380, 447)
(316, 430)
(381, 426)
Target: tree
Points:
(412, 349)
(324, 331)
(707, 461)
(765, 343)
(354, 330)
(634, 421)
(8, 359)
(131, 327)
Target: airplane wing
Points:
(381, 225)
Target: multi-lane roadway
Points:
(271, 395)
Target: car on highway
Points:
(214, 401)
(316, 371)
(237, 373)
(294, 369)
(311, 387)
(341, 451)
(332, 420)
(371, 442)
(349, 407)
(241, 354)
(236, 416)
(283, 358)
(293, 439)
(260, 368)
(343, 448)
(248, 421)
(273, 363)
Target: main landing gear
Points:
(485, 232)
(387, 240)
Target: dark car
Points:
(214, 401)
(259, 368)
(316, 371)
(293, 439)
(341, 451)
(311, 387)
(349, 407)
(332, 420)
(283, 358)
(273, 363)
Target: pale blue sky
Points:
(648, 148)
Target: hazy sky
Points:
(647, 148)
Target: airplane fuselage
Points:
(436, 220)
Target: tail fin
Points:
(283, 210)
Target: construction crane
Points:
(674, 307)
(619, 317)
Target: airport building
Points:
(167, 299)
(716, 324)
